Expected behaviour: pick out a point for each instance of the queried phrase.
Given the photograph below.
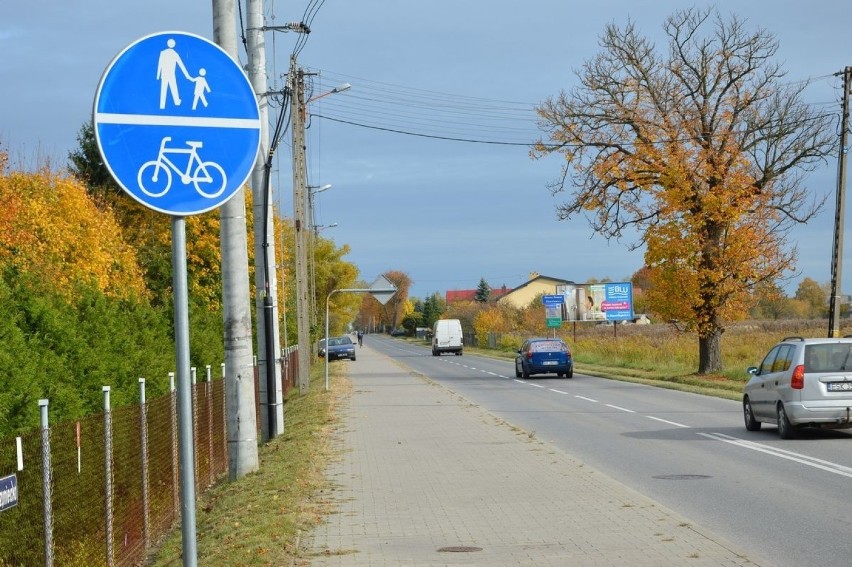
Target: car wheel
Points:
(570, 373)
(517, 372)
(525, 373)
(434, 352)
(785, 428)
(560, 374)
(751, 423)
(353, 359)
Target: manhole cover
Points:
(459, 549)
(680, 476)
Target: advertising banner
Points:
(603, 302)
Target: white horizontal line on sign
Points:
(153, 120)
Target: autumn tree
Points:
(814, 296)
(701, 151)
(395, 309)
(641, 280)
(51, 229)
(332, 271)
(770, 302)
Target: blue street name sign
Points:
(177, 123)
(8, 492)
(552, 300)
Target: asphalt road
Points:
(787, 501)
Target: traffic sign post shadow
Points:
(177, 124)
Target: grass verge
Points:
(258, 519)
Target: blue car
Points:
(339, 347)
(544, 356)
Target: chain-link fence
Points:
(101, 490)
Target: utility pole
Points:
(236, 303)
(266, 288)
(297, 117)
(840, 212)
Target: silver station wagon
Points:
(801, 383)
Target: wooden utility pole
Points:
(297, 117)
(840, 212)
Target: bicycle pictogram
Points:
(155, 176)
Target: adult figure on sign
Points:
(166, 74)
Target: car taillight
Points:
(529, 355)
(798, 380)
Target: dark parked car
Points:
(801, 383)
(340, 347)
(544, 356)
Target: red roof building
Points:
(470, 294)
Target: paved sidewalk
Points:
(427, 478)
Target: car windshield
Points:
(338, 341)
(831, 357)
(548, 346)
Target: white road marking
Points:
(620, 408)
(667, 421)
(558, 391)
(587, 399)
(827, 466)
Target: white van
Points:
(447, 337)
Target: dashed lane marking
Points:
(667, 421)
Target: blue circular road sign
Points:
(177, 123)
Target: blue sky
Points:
(407, 195)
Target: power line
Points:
(448, 138)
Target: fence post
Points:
(226, 465)
(193, 372)
(143, 428)
(108, 474)
(47, 484)
(209, 395)
(175, 495)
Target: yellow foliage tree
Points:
(700, 152)
(49, 227)
(495, 318)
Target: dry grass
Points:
(664, 356)
(257, 519)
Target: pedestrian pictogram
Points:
(177, 123)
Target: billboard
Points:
(602, 302)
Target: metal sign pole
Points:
(184, 392)
(381, 290)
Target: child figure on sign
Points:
(201, 87)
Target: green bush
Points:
(67, 351)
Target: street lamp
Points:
(338, 89)
(313, 190)
(319, 227)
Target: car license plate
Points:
(840, 386)
(550, 362)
